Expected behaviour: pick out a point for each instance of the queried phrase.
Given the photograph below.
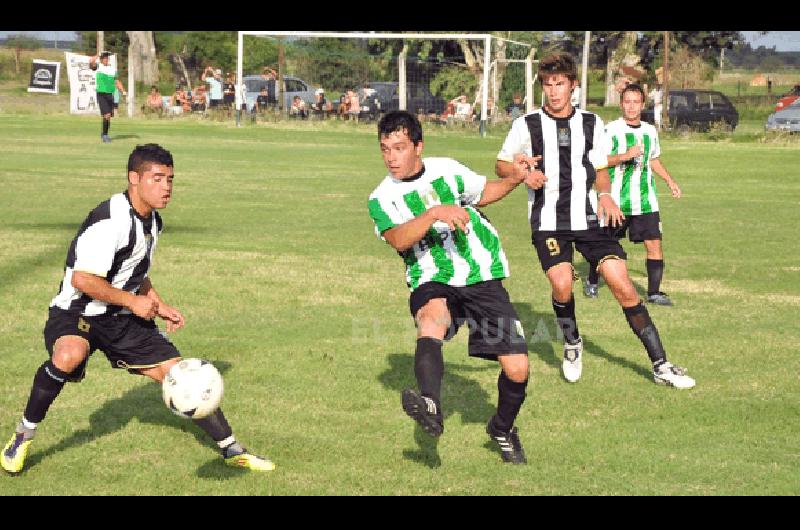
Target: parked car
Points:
(418, 97)
(697, 109)
(787, 119)
(293, 86)
(788, 98)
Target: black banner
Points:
(44, 76)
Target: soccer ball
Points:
(192, 388)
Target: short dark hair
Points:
(143, 156)
(400, 120)
(103, 55)
(632, 87)
(558, 63)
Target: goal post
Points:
(485, 38)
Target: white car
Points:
(787, 119)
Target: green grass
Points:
(270, 253)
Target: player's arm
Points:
(402, 237)
(662, 172)
(173, 317)
(518, 171)
(606, 206)
(121, 87)
(100, 289)
(633, 152)
(93, 62)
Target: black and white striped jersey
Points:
(572, 149)
(115, 243)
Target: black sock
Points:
(639, 321)
(47, 384)
(592, 278)
(429, 367)
(106, 125)
(565, 316)
(510, 397)
(655, 271)
(216, 426)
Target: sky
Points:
(784, 41)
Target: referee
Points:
(107, 301)
(106, 79)
(572, 146)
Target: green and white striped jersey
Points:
(450, 257)
(632, 185)
(104, 80)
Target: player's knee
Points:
(68, 356)
(517, 369)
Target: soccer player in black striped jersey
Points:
(572, 146)
(107, 301)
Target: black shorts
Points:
(106, 103)
(128, 341)
(556, 247)
(229, 99)
(214, 103)
(494, 327)
(645, 227)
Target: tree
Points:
(19, 43)
(144, 58)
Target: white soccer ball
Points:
(192, 388)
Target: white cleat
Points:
(669, 374)
(572, 365)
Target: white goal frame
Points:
(485, 37)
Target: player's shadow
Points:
(144, 404)
(460, 394)
(125, 136)
(541, 330)
(582, 268)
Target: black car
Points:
(697, 109)
(418, 98)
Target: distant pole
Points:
(100, 44)
(665, 105)
(56, 40)
(131, 97)
(281, 70)
(584, 86)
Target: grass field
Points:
(269, 251)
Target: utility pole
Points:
(584, 86)
(665, 105)
(100, 45)
(279, 85)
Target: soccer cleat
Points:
(589, 289)
(249, 461)
(14, 453)
(572, 365)
(106, 139)
(424, 411)
(669, 374)
(510, 446)
(659, 298)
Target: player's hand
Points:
(523, 165)
(609, 211)
(456, 217)
(172, 316)
(144, 307)
(674, 188)
(535, 179)
(634, 151)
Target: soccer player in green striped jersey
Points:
(105, 81)
(427, 210)
(633, 159)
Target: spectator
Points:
(575, 99)
(269, 77)
(262, 101)
(344, 106)
(154, 103)
(657, 96)
(199, 99)
(516, 109)
(320, 106)
(463, 108)
(229, 91)
(354, 107)
(298, 109)
(180, 102)
(447, 116)
(214, 84)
